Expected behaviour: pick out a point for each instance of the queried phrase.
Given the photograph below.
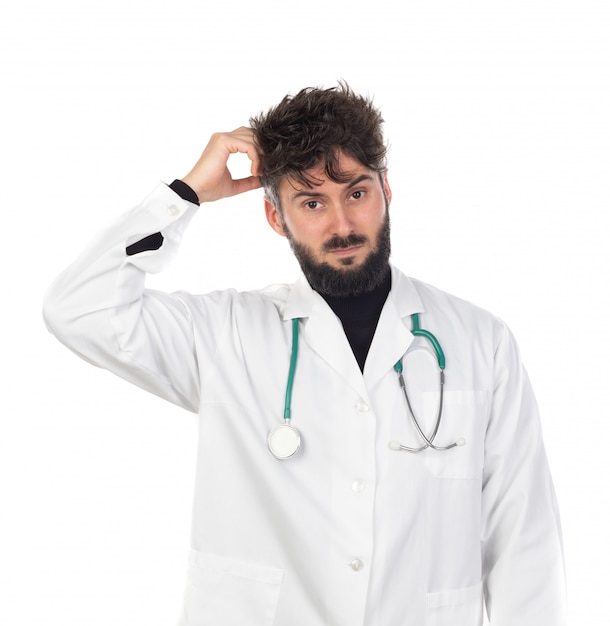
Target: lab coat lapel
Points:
(322, 330)
(393, 334)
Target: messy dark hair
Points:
(308, 128)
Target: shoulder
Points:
(448, 309)
(268, 301)
(434, 297)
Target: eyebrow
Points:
(310, 192)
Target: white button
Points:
(362, 406)
(173, 210)
(356, 565)
(357, 486)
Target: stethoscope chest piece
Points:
(284, 441)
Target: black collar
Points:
(359, 315)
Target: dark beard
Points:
(348, 281)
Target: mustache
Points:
(340, 243)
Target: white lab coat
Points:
(348, 532)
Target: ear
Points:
(273, 217)
(386, 187)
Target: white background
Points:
(497, 114)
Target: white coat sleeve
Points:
(100, 309)
(524, 579)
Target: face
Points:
(339, 232)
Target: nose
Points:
(341, 223)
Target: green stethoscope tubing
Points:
(293, 368)
(417, 331)
(420, 332)
(284, 440)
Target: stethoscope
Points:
(284, 440)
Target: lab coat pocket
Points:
(464, 420)
(455, 607)
(226, 592)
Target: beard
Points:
(349, 280)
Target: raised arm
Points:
(99, 306)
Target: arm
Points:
(99, 306)
(521, 535)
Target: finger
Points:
(241, 185)
(256, 169)
(250, 148)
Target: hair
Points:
(309, 128)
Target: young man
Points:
(353, 468)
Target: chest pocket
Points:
(464, 417)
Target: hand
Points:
(211, 180)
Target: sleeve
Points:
(523, 568)
(99, 307)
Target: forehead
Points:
(348, 168)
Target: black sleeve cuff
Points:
(184, 191)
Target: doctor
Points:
(370, 450)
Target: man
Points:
(353, 468)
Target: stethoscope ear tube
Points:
(428, 441)
(440, 357)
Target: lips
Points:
(345, 251)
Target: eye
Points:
(357, 195)
(312, 204)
